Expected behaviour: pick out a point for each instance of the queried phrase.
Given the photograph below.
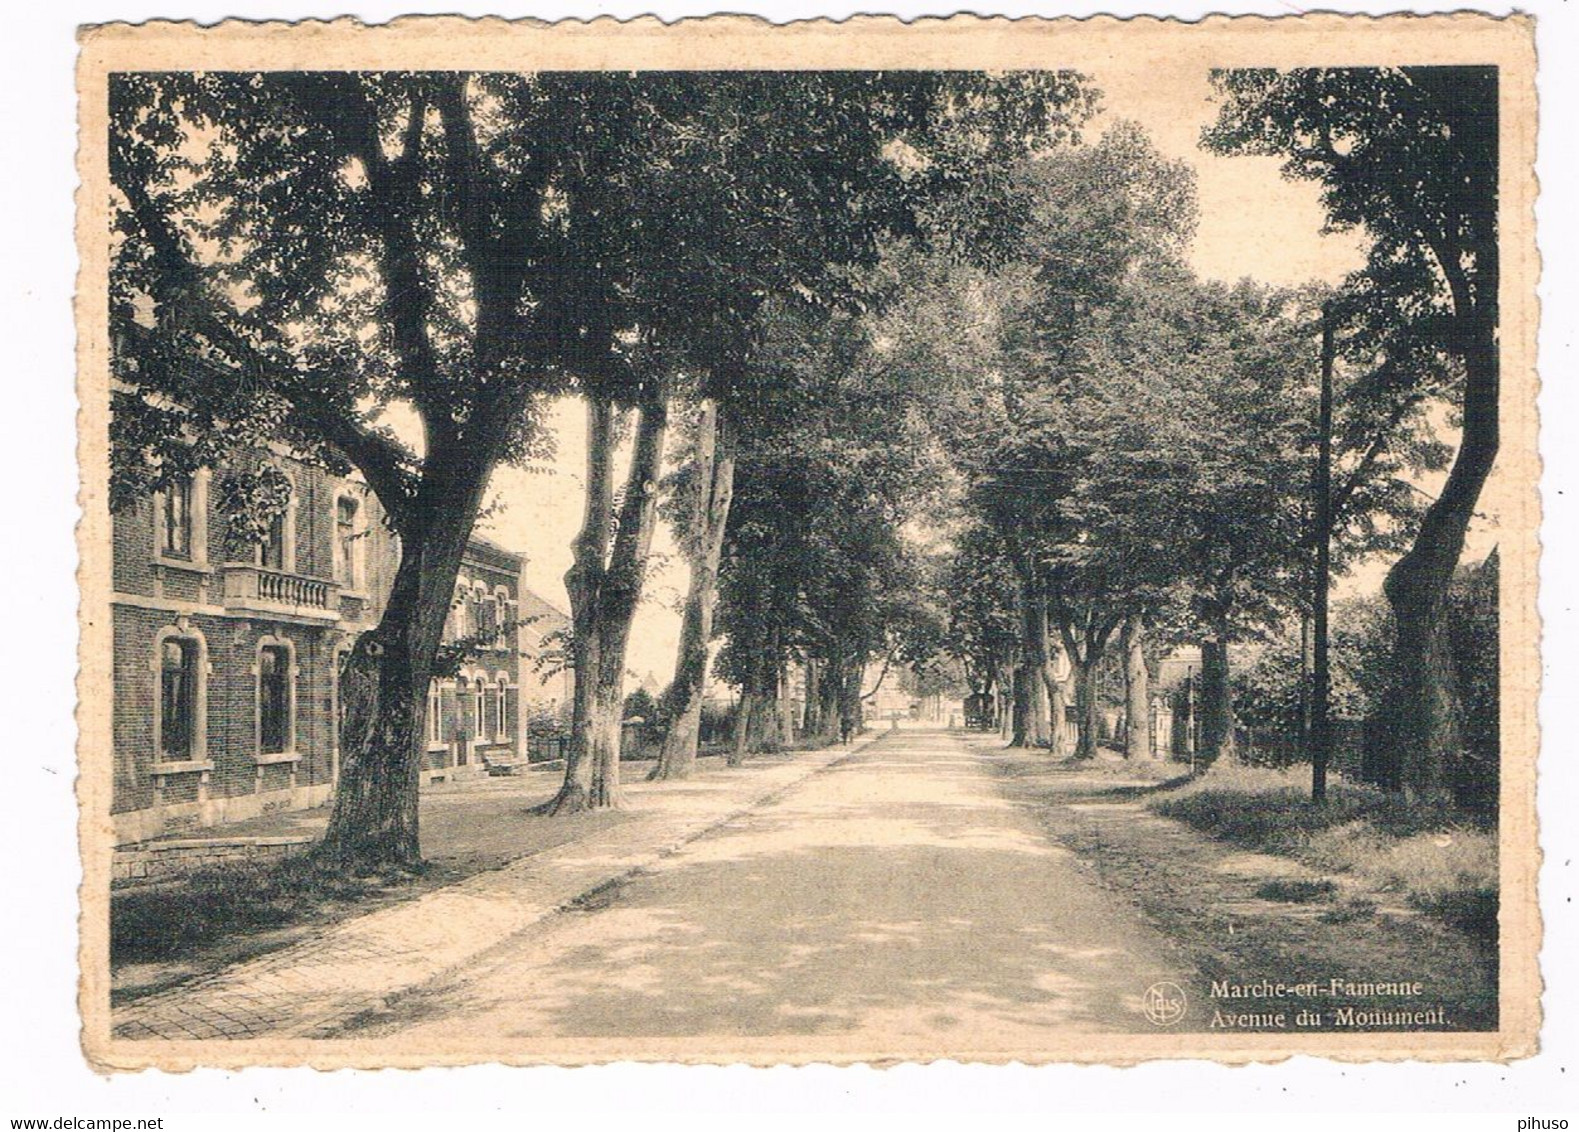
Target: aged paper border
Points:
(742, 42)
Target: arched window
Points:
(276, 696)
(482, 614)
(177, 697)
(277, 551)
(489, 712)
(501, 730)
(435, 728)
(180, 664)
(463, 713)
(504, 618)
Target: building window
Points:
(346, 542)
(479, 615)
(271, 551)
(485, 716)
(478, 716)
(501, 732)
(175, 520)
(504, 621)
(276, 546)
(452, 622)
(178, 692)
(274, 699)
(435, 708)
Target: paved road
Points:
(893, 901)
(340, 971)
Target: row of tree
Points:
(1147, 468)
(296, 254)
(864, 303)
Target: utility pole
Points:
(1321, 708)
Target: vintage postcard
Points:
(720, 542)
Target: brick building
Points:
(226, 664)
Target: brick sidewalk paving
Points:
(311, 988)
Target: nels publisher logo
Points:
(1164, 1004)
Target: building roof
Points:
(479, 549)
(539, 616)
(1178, 664)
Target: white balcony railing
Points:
(256, 587)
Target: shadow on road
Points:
(896, 894)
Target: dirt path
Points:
(898, 896)
(1248, 919)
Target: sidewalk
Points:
(309, 989)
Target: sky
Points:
(1252, 223)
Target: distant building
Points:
(542, 629)
(226, 663)
(474, 719)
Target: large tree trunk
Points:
(1019, 708)
(604, 587)
(1085, 637)
(1035, 658)
(850, 693)
(756, 723)
(583, 581)
(811, 711)
(1137, 691)
(1088, 707)
(830, 691)
(1418, 725)
(715, 478)
(785, 704)
(1005, 704)
(374, 819)
(747, 714)
(383, 690)
(1216, 706)
(1057, 703)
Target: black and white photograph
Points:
(872, 542)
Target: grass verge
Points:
(168, 920)
(1436, 860)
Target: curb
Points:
(585, 900)
(312, 989)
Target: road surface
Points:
(894, 900)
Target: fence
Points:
(1265, 746)
(637, 741)
(545, 748)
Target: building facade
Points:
(226, 660)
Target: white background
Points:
(41, 1069)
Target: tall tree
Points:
(848, 160)
(1410, 156)
(982, 633)
(814, 563)
(706, 490)
(1095, 217)
(296, 252)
